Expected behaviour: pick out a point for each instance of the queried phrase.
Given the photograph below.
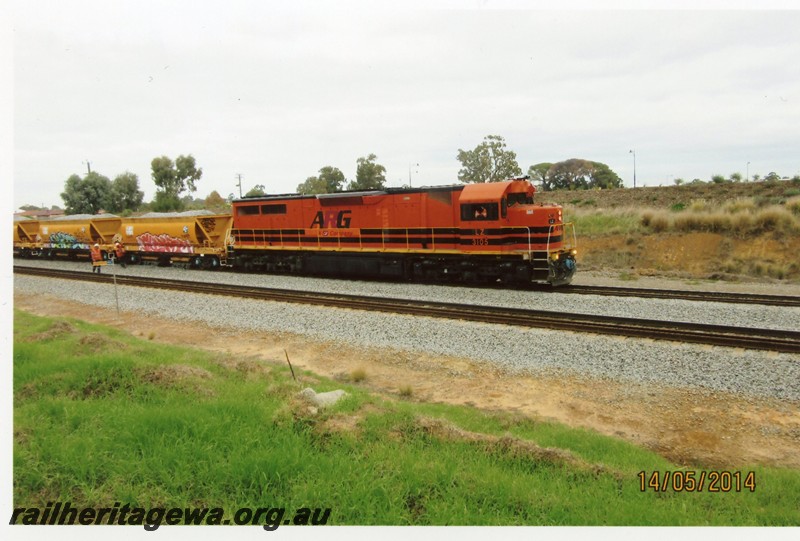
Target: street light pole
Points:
(239, 176)
(409, 172)
(747, 178)
(634, 166)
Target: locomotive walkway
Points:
(717, 335)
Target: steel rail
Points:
(682, 294)
(718, 335)
(641, 292)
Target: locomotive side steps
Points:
(718, 335)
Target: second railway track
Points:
(706, 296)
(718, 335)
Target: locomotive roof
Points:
(353, 193)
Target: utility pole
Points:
(409, 172)
(88, 166)
(239, 176)
(634, 166)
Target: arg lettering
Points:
(331, 219)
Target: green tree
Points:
(717, 179)
(772, 176)
(125, 193)
(736, 177)
(578, 174)
(334, 179)
(329, 180)
(678, 181)
(30, 207)
(164, 202)
(574, 174)
(369, 174)
(172, 179)
(215, 203)
(488, 162)
(257, 190)
(312, 186)
(603, 177)
(87, 195)
(538, 172)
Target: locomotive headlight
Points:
(554, 257)
(574, 252)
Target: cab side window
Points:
(519, 199)
(479, 211)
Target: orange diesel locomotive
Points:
(466, 233)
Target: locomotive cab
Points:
(502, 217)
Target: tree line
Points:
(489, 161)
(176, 180)
(95, 192)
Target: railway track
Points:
(706, 296)
(717, 335)
(652, 293)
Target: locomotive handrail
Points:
(530, 248)
(390, 239)
(563, 226)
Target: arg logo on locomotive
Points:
(331, 219)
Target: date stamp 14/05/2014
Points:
(697, 481)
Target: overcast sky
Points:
(275, 92)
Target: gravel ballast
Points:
(712, 313)
(532, 351)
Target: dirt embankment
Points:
(708, 249)
(692, 255)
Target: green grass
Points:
(102, 417)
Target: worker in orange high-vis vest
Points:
(119, 252)
(97, 258)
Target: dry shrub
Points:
(715, 222)
(688, 221)
(774, 219)
(793, 205)
(657, 220)
(741, 204)
(718, 222)
(741, 223)
(357, 375)
(698, 205)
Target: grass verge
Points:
(102, 417)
